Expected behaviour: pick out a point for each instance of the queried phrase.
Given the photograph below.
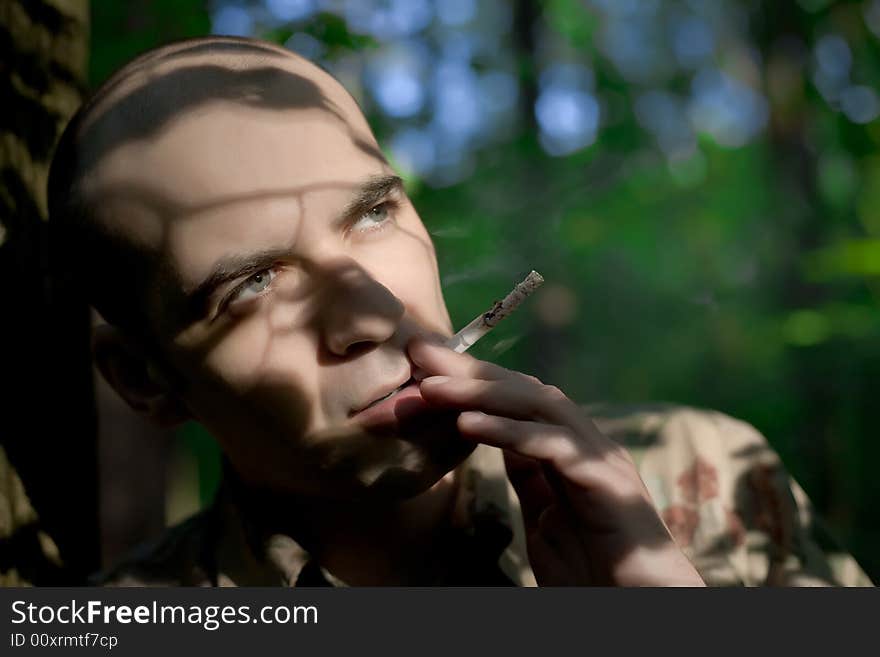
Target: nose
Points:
(359, 311)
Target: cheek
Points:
(263, 359)
(241, 357)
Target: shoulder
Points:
(642, 426)
(671, 440)
(176, 558)
(693, 460)
(690, 457)
(726, 497)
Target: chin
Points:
(422, 471)
(355, 465)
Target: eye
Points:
(375, 218)
(253, 286)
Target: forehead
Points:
(225, 154)
(244, 178)
(190, 119)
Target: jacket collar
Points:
(487, 511)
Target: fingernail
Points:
(435, 380)
(472, 418)
(426, 342)
(417, 346)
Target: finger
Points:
(548, 565)
(435, 358)
(575, 466)
(527, 478)
(557, 527)
(544, 512)
(535, 440)
(508, 397)
(541, 504)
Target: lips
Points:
(390, 410)
(383, 397)
(393, 392)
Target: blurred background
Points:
(697, 180)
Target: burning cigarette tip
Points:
(503, 308)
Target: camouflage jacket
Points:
(716, 483)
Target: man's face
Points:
(294, 272)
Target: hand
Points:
(589, 518)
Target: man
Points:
(262, 272)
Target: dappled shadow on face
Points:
(323, 290)
(354, 464)
(118, 116)
(267, 428)
(229, 46)
(170, 311)
(267, 433)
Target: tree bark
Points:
(47, 412)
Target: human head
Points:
(227, 209)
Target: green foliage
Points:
(122, 30)
(332, 31)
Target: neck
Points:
(367, 543)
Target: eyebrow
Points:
(234, 266)
(370, 193)
(230, 268)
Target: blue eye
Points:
(373, 219)
(254, 285)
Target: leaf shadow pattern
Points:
(147, 109)
(104, 124)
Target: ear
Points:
(131, 374)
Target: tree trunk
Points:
(47, 412)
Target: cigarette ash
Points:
(501, 309)
(492, 317)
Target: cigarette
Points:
(485, 322)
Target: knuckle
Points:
(632, 488)
(622, 459)
(566, 448)
(479, 369)
(626, 476)
(514, 375)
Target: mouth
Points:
(375, 402)
(402, 405)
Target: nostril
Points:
(358, 348)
